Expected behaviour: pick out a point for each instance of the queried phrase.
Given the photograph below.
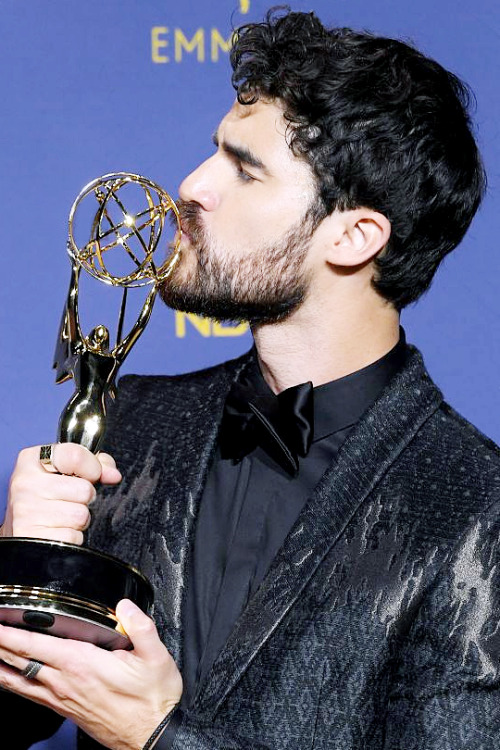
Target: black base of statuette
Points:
(67, 591)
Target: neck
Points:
(320, 348)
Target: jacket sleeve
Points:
(448, 688)
(191, 735)
(181, 733)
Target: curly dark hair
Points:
(381, 125)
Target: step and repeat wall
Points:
(100, 86)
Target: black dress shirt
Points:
(248, 508)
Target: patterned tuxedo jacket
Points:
(377, 625)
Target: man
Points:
(325, 561)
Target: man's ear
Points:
(359, 235)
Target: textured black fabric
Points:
(368, 618)
(377, 625)
(249, 506)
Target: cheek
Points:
(257, 213)
(267, 215)
(258, 224)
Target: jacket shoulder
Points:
(135, 392)
(155, 386)
(460, 438)
(446, 478)
(149, 407)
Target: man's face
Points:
(248, 222)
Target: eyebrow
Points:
(243, 154)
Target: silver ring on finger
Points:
(47, 459)
(31, 669)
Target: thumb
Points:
(109, 473)
(141, 630)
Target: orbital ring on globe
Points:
(143, 227)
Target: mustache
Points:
(189, 214)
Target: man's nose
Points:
(199, 186)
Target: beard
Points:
(264, 286)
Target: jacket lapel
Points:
(186, 445)
(367, 454)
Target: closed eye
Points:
(241, 157)
(241, 173)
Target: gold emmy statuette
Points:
(60, 588)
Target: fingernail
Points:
(127, 608)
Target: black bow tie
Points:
(282, 425)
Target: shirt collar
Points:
(340, 403)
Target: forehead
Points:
(261, 128)
(264, 111)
